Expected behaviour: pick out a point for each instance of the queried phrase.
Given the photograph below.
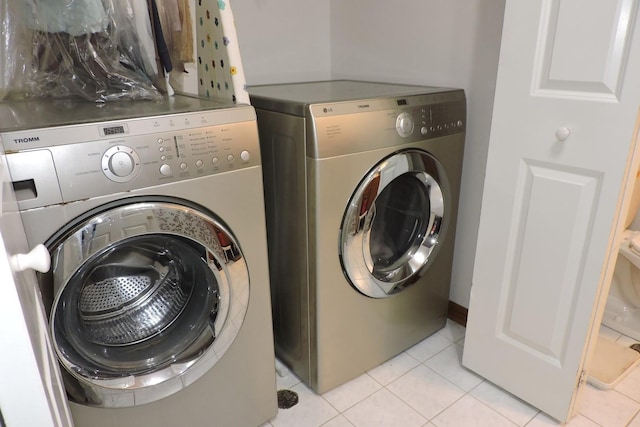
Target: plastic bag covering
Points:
(79, 48)
(135, 35)
(14, 48)
(4, 51)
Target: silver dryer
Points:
(362, 182)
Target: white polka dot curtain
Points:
(220, 72)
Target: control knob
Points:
(120, 163)
(404, 124)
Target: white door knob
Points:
(563, 133)
(37, 259)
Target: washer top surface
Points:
(292, 98)
(42, 113)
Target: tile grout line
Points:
(359, 401)
(415, 409)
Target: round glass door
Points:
(143, 294)
(393, 223)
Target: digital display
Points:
(402, 102)
(113, 130)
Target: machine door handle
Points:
(37, 259)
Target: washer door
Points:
(393, 223)
(147, 297)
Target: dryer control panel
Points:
(431, 121)
(350, 127)
(75, 162)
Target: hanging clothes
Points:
(161, 45)
(183, 41)
(175, 18)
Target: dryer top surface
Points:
(292, 98)
(43, 113)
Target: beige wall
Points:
(283, 40)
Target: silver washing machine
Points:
(158, 295)
(361, 185)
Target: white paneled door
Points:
(567, 98)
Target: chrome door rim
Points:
(358, 265)
(86, 241)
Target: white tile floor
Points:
(427, 386)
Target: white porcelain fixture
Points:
(622, 311)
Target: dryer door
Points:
(393, 223)
(148, 296)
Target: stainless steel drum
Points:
(123, 302)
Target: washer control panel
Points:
(90, 160)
